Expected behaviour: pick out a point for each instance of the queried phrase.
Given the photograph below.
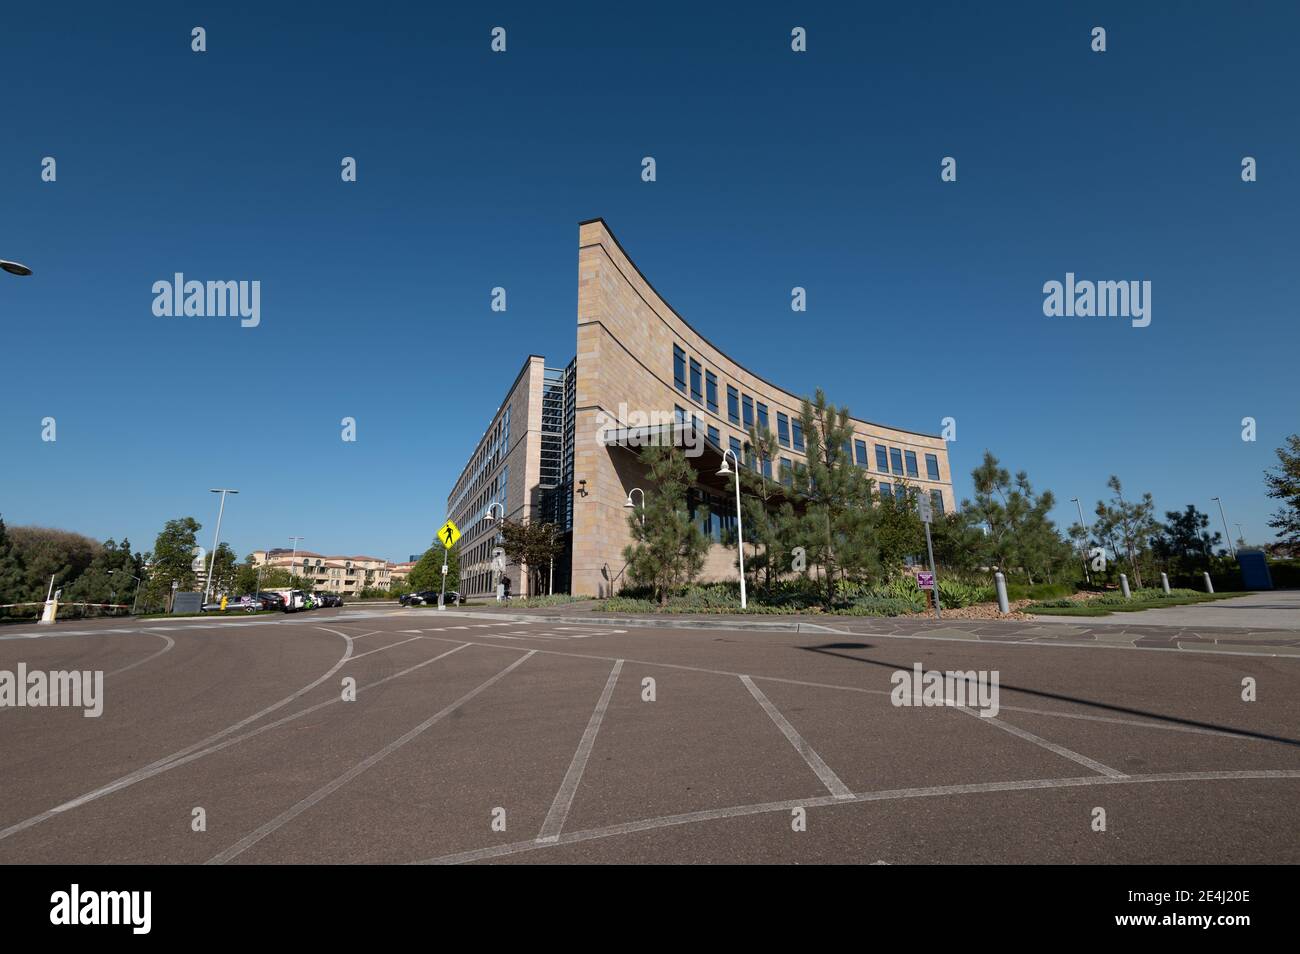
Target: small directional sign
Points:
(449, 534)
(923, 508)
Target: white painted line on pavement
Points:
(1050, 746)
(239, 847)
(153, 768)
(555, 818)
(382, 648)
(829, 778)
(738, 811)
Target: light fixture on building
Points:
(582, 488)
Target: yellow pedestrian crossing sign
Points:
(449, 534)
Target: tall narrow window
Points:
(679, 368)
(861, 448)
(787, 472)
(896, 460)
(798, 434)
(733, 405)
(711, 391)
(696, 394)
(782, 429)
(911, 464)
(886, 491)
(714, 438)
(747, 408)
(932, 466)
(734, 444)
(762, 419)
(936, 502)
(882, 459)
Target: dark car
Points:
(329, 599)
(270, 601)
(423, 598)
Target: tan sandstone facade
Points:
(635, 354)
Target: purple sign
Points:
(925, 580)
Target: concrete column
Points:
(1164, 581)
(1209, 586)
(1123, 585)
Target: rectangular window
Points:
(679, 368)
(911, 464)
(750, 460)
(733, 405)
(735, 449)
(714, 437)
(679, 414)
(797, 426)
(932, 466)
(882, 459)
(936, 502)
(747, 406)
(886, 491)
(896, 459)
(782, 429)
(762, 419)
(767, 467)
(696, 395)
(861, 448)
(787, 472)
(711, 391)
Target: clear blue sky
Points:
(775, 169)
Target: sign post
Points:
(448, 534)
(926, 512)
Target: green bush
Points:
(555, 599)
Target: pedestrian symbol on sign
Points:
(449, 534)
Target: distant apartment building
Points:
(551, 454)
(344, 575)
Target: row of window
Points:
(744, 411)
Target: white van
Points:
(294, 600)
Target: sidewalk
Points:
(1122, 630)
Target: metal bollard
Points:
(1001, 581)
(1123, 585)
(1164, 582)
(1209, 586)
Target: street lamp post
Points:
(1241, 536)
(138, 584)
(631, 506)
(1231, 548)
(293, 556)
(725, 471)
(216, 540)
(1084, 546)
(497, 521)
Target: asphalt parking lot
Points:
(480, 739)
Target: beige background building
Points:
(638, 360)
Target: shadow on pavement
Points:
(828, 649)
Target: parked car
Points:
(423, 598)
(271, 601)
(328, 599)
(294, 600)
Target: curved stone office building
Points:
(564, 445)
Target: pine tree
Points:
(837, 518)
(1284, 484)
(669, 547)
(12, 573)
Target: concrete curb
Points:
(658, 622)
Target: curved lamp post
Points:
(631, 506)
(725, 471)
